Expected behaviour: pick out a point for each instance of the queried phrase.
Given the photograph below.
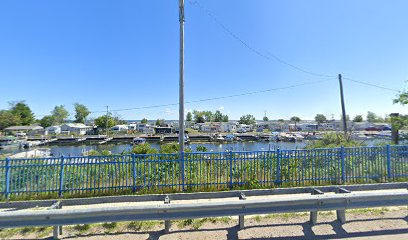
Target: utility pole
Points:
(106, 122)
(181, 81)
(343, 107)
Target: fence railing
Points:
(95, 175)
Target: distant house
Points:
(76, 128)
(120, 128)
(149, 130)
(228, 127)
(29, 130)
(53, 130)
(210, 127)
(163, 130)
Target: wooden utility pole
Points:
(181, 81)
(343, 107)
(106, 122)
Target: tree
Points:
(8, 119)
(144, 148)
(218, 116)
(159, 122)
(189, 117)
(81, 113)
(199, 116)
(295, 120)
(358, 118)
(320, 118)
(372, 117)
(60, 114)
(281, 120)
(47, 121)
(265, 119)
(225, 118)
(101, 122)
(402, 98)
(144, 121)
(22, 111)
(209, 116)
(247, 119)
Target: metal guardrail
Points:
(61, 176)
(317, 201)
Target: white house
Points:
(53, 130)
(228, 127)
(75, 128)
(148, 130)
(120, 128)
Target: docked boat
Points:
(230, 138)
(219, 138)
(139, 140)
(10, 142)
(35, 153)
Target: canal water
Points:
(77, 150)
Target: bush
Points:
(333, 140)
(144, 148)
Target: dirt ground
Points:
(384, 223)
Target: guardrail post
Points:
(57, 230)
(242, 217)
(7, 179)
(341, 214)
(61, 182)
(343, 165)
(278, 167)
(313, 214)
(389, 174)
(230, 171)
(134, 172)
(167, 223)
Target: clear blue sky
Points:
(125, 54)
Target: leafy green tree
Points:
(189, 117)
(247, 119)
(218, 116)
(209, 116)
(402, 98)
(225, 118)
(8, 119)
(265, 119)
(358, 118)
(201, 148)
(320, 118)
(199, 116)
(333, 140)
(60, 114)
(47, 121)
(144, 121)
(281, 120)
(295, 119)
(159, 122)
(101, 122)
(23, 112)
(144, 148)
(81, 113)
(373, 118)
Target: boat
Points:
(219, 138)
(10, 142)
(35, 153)
(230, 138)
(186, 139)
(139, 140)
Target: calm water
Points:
(76, 150)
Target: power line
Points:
(221, 97)
(268, 54)
(370, 84)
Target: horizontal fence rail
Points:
(149, 173)
(341, 201)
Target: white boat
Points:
(139, 140)
(10, 142)
(35, 153)
(219, 138)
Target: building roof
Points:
(23, 128)
(76, 125)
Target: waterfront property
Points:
(198, 171)
(75, 128)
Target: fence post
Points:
(61, 183)
(230, 170)
(134, 173)
(343, 165)
(7, 179)
(278, 167)
(182, 172)
(389, 175)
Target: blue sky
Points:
(125, 54)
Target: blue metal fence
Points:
(201, 171)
